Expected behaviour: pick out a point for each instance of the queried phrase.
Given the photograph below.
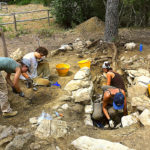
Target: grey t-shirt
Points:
(8, 65)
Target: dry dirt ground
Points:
(45, 98)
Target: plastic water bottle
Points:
(141, 48)
(57, 114)
(48, 117)
(41, 117)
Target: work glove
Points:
(14, 90)
(111, 123)
(21, 94)
(29, 83)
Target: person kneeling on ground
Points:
(36, 65)
(10, 66)
(116, 98)
(114, 80)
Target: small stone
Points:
(35, 146)
(80, 55)
(88, 109)
(35, 89)
(65, 106)
(33, 120)
(57, 148)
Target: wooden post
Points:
(48, 17)
(15, 23)
(4, 43)
(0, 6)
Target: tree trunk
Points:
(111, 21)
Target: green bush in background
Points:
(69, 13)
(76, 11)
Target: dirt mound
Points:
(93, 24)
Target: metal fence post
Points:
(15, 23)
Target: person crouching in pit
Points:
(113, 98)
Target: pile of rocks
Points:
(81, 90)
(134, 62)
(15, 138)
(138, 81)
(78, 44)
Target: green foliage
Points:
(135, 13)
(76, 11)
(45, 32)
(46, 2)
(69, 13)
(23, 2)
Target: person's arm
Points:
(125, 104)
(105, 103)
(109, 76)
(16, 80)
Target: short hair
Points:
(42, 50)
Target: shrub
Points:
(45, 33)
(69, 12)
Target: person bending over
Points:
(10, 66)
(113, 98)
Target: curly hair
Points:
(42, 50)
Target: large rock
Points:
(140, 103)
(77, 84)
(20, 142)
(145, 117)
(83, 74)
(130, 119)
(138, 73)
(83, 95)
(51, 128)
(7, 134)
(136, 90)
(142, 80)
(88, 143)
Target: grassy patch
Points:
(45, 32)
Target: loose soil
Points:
(45, 98)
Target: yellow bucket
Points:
(149, 89)
(84, 63)
(62, 69)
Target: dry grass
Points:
(30, 26)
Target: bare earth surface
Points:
(45, 98)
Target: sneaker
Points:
(10, 114)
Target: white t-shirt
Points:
(33, 65)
